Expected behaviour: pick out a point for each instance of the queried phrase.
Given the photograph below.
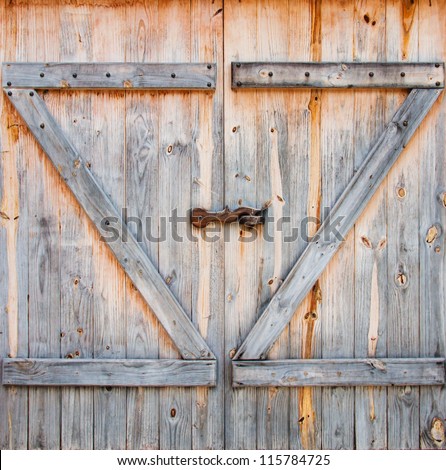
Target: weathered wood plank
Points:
(241, 282)
(109, 372)
(403, 212)
(335, 228)
(337, 163)
(272, 189)
(337, 75)
(304, 200)
(142, 193)
(370, 234)
(109, 223)
(338, 372)
(208, 190)
(110, 76)
(107, 165)
(37, 27)
(175, 180)
(76, 240)
(432, 226)
(14, 236)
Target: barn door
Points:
(133, 321)
(315, 332)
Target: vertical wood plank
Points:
(40, 29)
(304, 211)
(241, 280)
(432, 207)
(370, 233)
(271, 188)
(14, 243)
(142, 195)
(403, 245)
(108, 166)
(76, 239)
(175, 154)
(208, 192)
(337, 170)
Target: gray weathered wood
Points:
(370, 253)
(432, 227)
(104, 215)
(109, 372)
(403, 243)
(128, 76)
(342, 217)
(338, 372)
(77, 237)
(337, 75)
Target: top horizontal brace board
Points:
(107, 76)
(337, 75)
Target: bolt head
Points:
(371, 74)
(209, 84)
(9, 84)
(172, 75)
(74, 75)
(239, 83)
(405, 123)
(402, 74)
(42, 126)
(107, 74)
(31, 93)
(270, 74)
(9, 93)
(307, 74)
(209, 66)
(42, 74)
(238, 65)
(437, 84)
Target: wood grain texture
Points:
(304, 200)
(272, 189)
(175, 164)
(141, 201)
(44, 245)
(14, 244)
(338, 372)
(370, 234)
(337, 75)
(337, 155)
(241, 283)
(344, 213)
(76, 241)
(432, 207)
(403, 304)
(207, 189)
(103, 213)
(107, 165)
(110, 76)
(109, 372)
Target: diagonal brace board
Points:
(342, 217)
(102, 212)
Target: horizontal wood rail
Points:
(110, 76)
(338, 372)
(337, 75)
(109, 372)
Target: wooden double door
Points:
(156, 154)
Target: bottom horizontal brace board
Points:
(338, 372)
(109, 372)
